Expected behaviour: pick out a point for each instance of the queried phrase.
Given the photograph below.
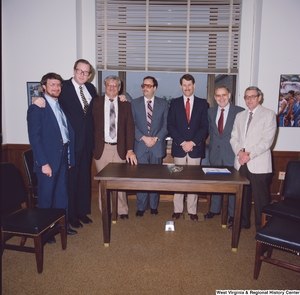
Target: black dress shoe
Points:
(75, 223)
(194, 217)
(176, 215)
(124, 216)
(230, 220)
(51, 240)
(210, 215)
(153, 211)
(71, 232)
(139, 213)
(85, 219)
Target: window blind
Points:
(173, 36)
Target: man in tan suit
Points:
(113, 143)
(251, 139)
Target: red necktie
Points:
(187, 109)
(220, 122)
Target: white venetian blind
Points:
(174, 36)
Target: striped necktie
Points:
(149, 114)
(85, 102)
(112, 119)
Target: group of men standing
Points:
(71, 123)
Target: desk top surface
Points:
(163, 173)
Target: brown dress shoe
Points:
(194, 217)
(124, 216)
(176, 215)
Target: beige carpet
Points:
(144, 259)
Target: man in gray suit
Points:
(221, 118)
(251, 140)
(150, 117)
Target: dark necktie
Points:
(187, 109)
(112, 119)
(221, 122)
(249, 121)
(149, 114)
(85, 103)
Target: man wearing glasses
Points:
(251, 139)
(114, 133)
(150, 117)
(76, 100)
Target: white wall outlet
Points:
(281, 175)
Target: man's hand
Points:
(46, 169)
(122, 97)
(131, 157)
(149, 141)
(187, 146)
(244, 157)
(39, 101)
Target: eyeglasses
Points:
(252, 97)
(147, 85)
(80, 72)
(112, 85)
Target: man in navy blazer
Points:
(150, 118)
(220, 151)
(76, 100)
(52, 141)
(188, 126)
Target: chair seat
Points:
(282, 233)
(31, 220)
(287, 208)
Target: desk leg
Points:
(224, 215)
(105, 202)
(237, 218)
(114, 195)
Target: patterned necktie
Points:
(221, 122)
(64, 130)
(149, 115)
(112, 119)
(187, 109)
(249, 121)
(85, 102)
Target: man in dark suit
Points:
(52, 141)
(221, 118)
(150, 117)
(114, 133)
(76, 99)
(187, 125)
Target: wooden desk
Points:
(152, 177)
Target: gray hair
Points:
(112, 77)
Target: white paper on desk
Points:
(216, 171)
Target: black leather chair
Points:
(289, 207)
(278, 233)
(18, 220)
(31, 178)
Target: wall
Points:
(39, 36)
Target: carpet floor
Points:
(145, 259)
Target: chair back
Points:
(13, 189)
(28, 163)
(291, 187)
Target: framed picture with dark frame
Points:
(289, 101)
(33, 89)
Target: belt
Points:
(111, 143)
(65, 144)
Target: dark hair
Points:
(292, 92)
(155, 83)
(84, 61)
(223, 86)
(187, 77)
(51, 76)
(259, 92)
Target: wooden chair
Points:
(31, 178)
(278, 233)
(18, 220)
(289, 207)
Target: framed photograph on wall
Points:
(289, 101)
(33, 89)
